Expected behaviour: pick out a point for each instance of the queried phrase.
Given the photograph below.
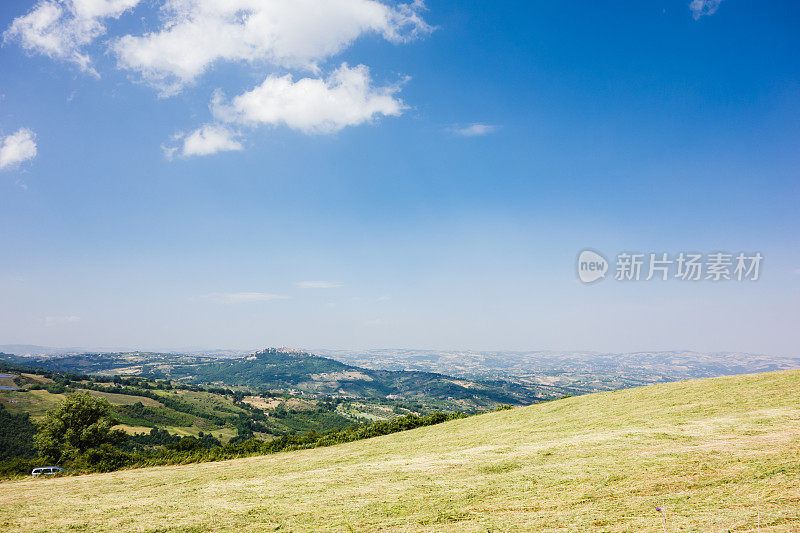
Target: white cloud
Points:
(283, 33)
(318, 284)
(55, 320)
(312, 105)
(207, 140)
(61, 29)
(17, 147)
(273, 36)
(474, 130)
(241, 297)
(704, 7)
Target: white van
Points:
(47, 471)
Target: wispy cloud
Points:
(318, 284)
(704, 7)
(241, 297)
(474, 130)
(17, 147)
(55, 320)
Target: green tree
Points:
(80, 423)
(16, 435)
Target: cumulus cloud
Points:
(241, 297)
(273, 36)
(283, 33)
(61, 29)
(704, 7)
(474, 130)
(17, 147)
(208, 139)
(318, 284)
(312, 105)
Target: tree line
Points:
(78, 435)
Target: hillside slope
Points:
(717, 454)
(283, 369)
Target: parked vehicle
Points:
(48, 471)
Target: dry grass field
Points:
(717, 455)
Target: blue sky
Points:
(435, 169)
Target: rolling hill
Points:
(715, 454)
(283, 370)
(306, 397)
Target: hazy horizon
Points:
(318, 350)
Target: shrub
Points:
(19, 466)
(16, 435)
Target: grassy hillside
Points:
(719, 454)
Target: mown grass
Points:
(718, 455)
(209, 403)
(35, 402)
(223, 434)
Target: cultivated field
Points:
(718, 455)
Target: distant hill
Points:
(285, 370)
(33, 349)
(275, 369)
(706, 455)
(577, 372)
(177, 409)
(37, 350)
